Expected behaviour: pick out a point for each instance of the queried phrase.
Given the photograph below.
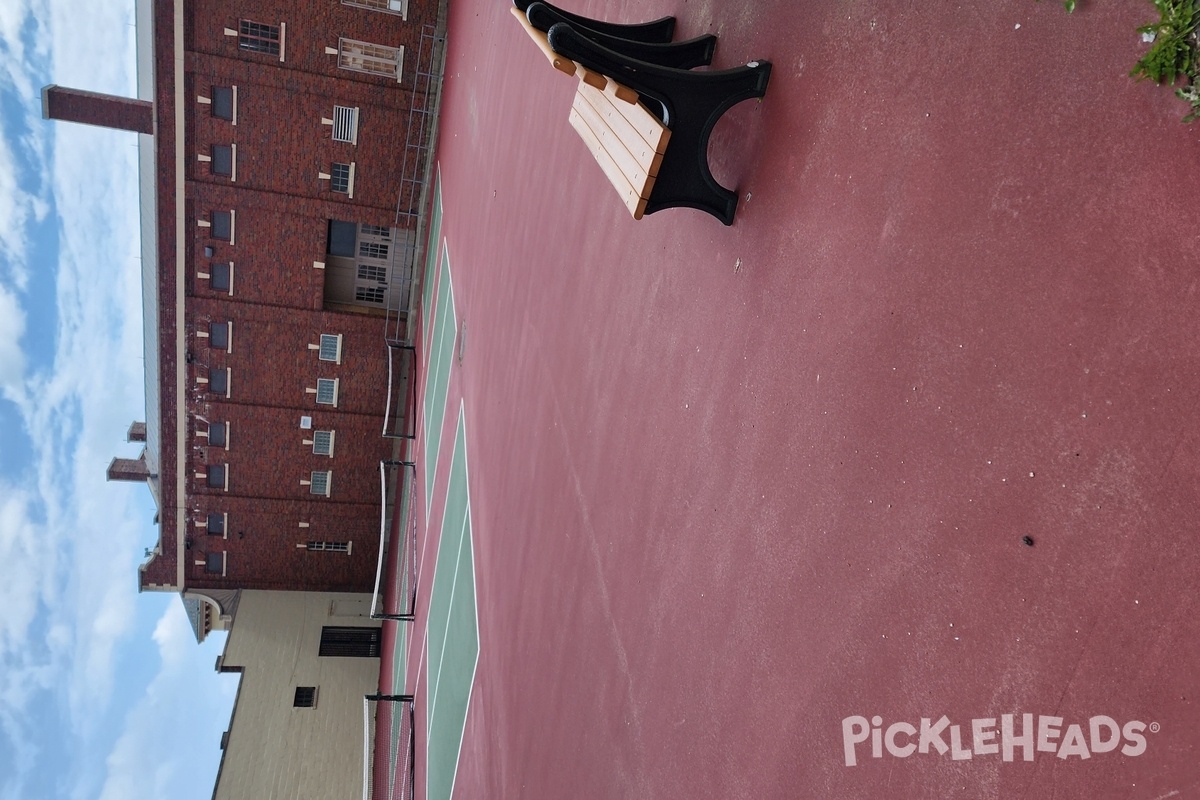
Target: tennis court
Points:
(719, 490)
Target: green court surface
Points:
(431, 253)
(453, 630)
(437, 384)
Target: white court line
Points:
(462, 416)
(454, 328)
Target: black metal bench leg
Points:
(691, 102)
(697, 52)
(659, 30)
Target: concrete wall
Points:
(275, 751)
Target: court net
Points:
(389, 750)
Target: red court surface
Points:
(732, 486)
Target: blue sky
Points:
(103, 691)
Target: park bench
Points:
(644, 114)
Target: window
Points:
(217, 477)
(341, 178)
(372, 250)
(367, 294)
(374, 59)
(345, 124)
(306, 697)
(215, 563)
(218, 381)
(217, 434)
(329, 547)
(220, 277)
(327, 391)
(258, 38)
(218, 335)
(223, 102)
(209, 251)
(319, 482)
(323, 443)
(371, 272)
(349, 642)
(376, 230)
(342, 236)
(390, 6)
(216, 524)
(222, 159)
(222, 225)
(331, 348)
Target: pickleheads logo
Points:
(988, 736)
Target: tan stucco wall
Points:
(275, 751)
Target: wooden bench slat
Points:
(634, 158)
(630, 122)
(630, 196)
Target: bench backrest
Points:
(569, 67)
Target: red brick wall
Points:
(93, 108)
(281, 211)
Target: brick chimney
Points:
(93, 108)
(128, 469)
(137, 432)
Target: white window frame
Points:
(319, 447)
(323, 383)
(327, 547)
(329, 339)
(313, 483)
(384, 7)
(349, 178)
(344, 124)
(202, 522)
(207, 276)
(352, 56)
(203, 334)
(224, 474)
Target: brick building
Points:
(271, 139)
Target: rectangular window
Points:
(217, 434)
(372, 250)
(209, 251)
(371, 272)
(220, 277)
(216, 524)
(339, 178)
(222, 159)
(306, 697)
(218, 335)
(388, 6)
(223, 102)
(342, 236)
(329, 547)
(323, 443)
(217, 477)
(327, 391)
(214, 563)
(320, 482)
(374, 59)
(349, 642)
(345, 124)
(376, 230)
(331, 347)
(222, 225)
(367, 294)
(218, 381)
(258, 38)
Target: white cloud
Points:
(146, 761)
(68, 539)
(12, 328)
(23, 197)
